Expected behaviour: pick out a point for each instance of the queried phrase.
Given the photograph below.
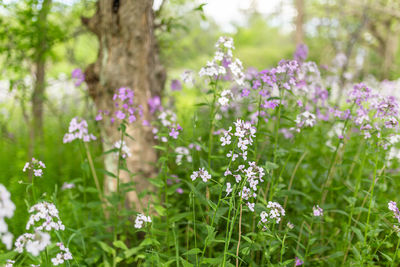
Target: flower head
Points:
(140, 220)
(36, 165)
(47, 214)
(78, 76)
(201, 173)
(317, 211)
(62, 256)
(78, 129)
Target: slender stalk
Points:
(277, 124)
(308, 241)
(292, 176)
(257, 128)
(119, 159)
(358, 185)
(93, 171)
(240, 236)
(283, 246)
(370, 199)
(219, 202)
(176, 245)
(395, 253)
(194, 225)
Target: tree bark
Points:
(299, 34)
(128, 57)
(40, 62)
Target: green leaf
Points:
(270, 166)
(106, 248)
(160, 210)
(193, 251)
(120, 244)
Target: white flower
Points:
(228, 188)
(276, 212)
(9, 263)
(250, 206)
(140, 220)
(125, 153)
(202, 173)
(48, 213)
(62, 256)
(7, 209)
(66, 186)
(182, 152)
(187, 77)
(33, 243)
(305, 119)
(317, 211)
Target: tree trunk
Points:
(299, 34)
(128, 57)
(39, 86)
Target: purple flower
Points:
(78, 76)
(272, 104)
(120, 115)
(78, 129)
(176, 85)
(245, 92)
(301, 53)
(154, 104)
(317, 211)
(298, 262)
(174, 133)
(179, 190)
(393, 207)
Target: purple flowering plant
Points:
(266, 169)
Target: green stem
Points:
(358, 186)
(395, 253)
(194, 225)
(308, 241)
(370, 199)
(283, 246)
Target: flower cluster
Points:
(62, 256)
(253, 175)
(223, 62)
(78, 77)
(67, 186)
(140, 220)
(125, 153)
(298, 262)
(226, 95)
(36, 165)
(274, 214)
(201, 173)
(305, 119)
(33, 243)
(125, 109)
(301, 53)
(245, 133)
(167, 118)
(317, 211)
(282, 76)
(374, 110)
(154, 104)
(393, 207)
(7, 209)
(48, 213)
(9, 263)
(78, 129)
(182, 152)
